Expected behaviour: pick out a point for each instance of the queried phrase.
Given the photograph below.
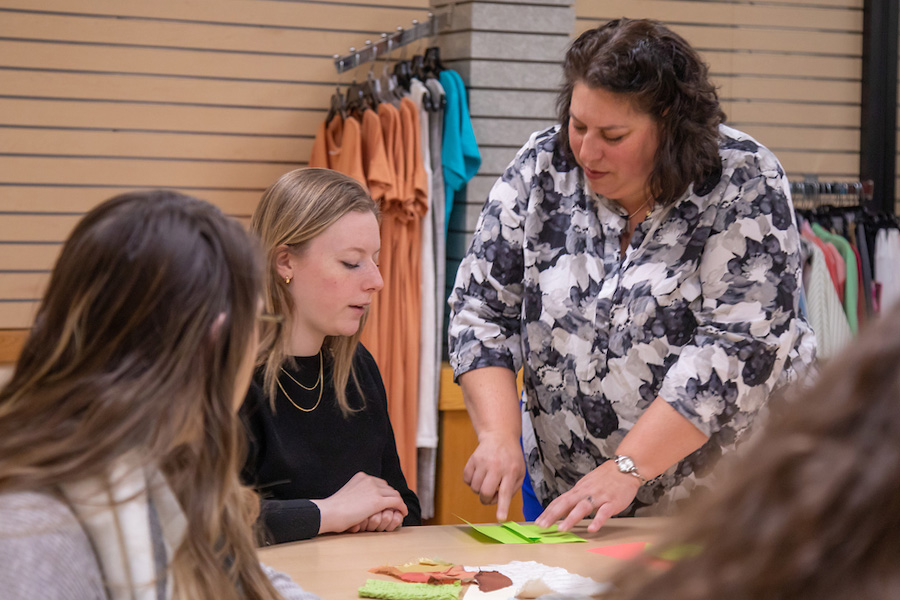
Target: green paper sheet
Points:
(676, 553)
(515, 533)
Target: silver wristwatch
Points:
(626, 465)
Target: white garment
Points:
(426, 433)
(887, 271)
(429, 374)
(826, 314)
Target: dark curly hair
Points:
(665, 78)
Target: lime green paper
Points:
(676, 553)
(515, 533)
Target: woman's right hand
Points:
(359, 500)
(497, 467)
(495, 472)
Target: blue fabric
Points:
(803, 308)
(531, 506)
(460, 158)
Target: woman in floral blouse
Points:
(640, 262)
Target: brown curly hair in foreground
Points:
(813, 510)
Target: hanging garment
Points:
(851, 281)
(398, 310)
(861, 316)
(887, 257)
(826, 313)
(379, 177)
(428, 423)
(429, 368)
(381, 180)
(459, 151)
(830, 254)
(338, 146)
(436, 139)
(377, 334)
(865, 268)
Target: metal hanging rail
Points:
(842, 193)
(390, 42)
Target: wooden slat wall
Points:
(788, 71)
(218, 97)
(214, 97)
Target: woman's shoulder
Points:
(369, 376)
(44, 551)
(740, 150)
(25, 513)
(540, 158)
(364, 362)
(546, 147)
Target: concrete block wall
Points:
(509, 56)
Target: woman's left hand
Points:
(605, 490)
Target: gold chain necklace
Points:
(318, 384)
(631, 216)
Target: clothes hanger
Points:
(433, 65)
(390, 89)
(369, 89)
(403, 73)
(355, 94)
(338, 102)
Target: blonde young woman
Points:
(120, 445)
(323, 454)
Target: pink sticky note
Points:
(622, 551)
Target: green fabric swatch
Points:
(401, 590)
(515, 533)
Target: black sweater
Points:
(296, 456)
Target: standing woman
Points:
(120, 445)
(640, 262)
(322, 448)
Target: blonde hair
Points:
(137, 348)
(294, 210)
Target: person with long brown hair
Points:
(812, 510)
(639, 261)
(120, 444)
(323, 454)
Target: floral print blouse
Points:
(702, 310)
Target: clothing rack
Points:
(390, 42)
(812, 193)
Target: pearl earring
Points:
(287, 279)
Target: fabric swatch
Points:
(400, 590)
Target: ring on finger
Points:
(590, 500)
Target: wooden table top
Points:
(336, 566)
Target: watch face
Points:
(626, 465)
